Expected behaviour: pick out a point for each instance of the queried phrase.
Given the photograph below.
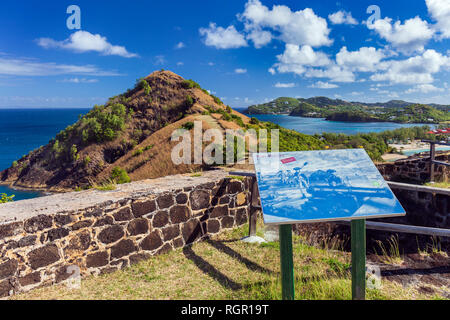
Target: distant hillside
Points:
(341, 110)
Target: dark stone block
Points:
(138, 257)
(32, 278)
(104, 221)
(81, 224)
(57, 233)
(207, 186)
(181, 198)
(43, 256)
(234, 187)
(8, 268)
(63, 273)
(227, 222)
(123, 215)
(97, 259)
(12, 245)
(224, 200)
(94, 212)
(179, 214)
(81, 241)
(241, 216)
(213, 226)
(123, 248)
(165, 249)
(142, 208)
(178, 242)
(160, 219)
(152, 241)
(5, 288)
(199, 199)
(38, 223)
(192, 231)
(138, 226)
(10, 229)
(170, 232)
(111, 234)
(63, 219)
(165, 201)
(219, 211)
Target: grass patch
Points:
(226, 268)
(438, 184)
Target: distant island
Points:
(340, 110)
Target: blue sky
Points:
(245, 52)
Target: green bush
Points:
(119, 175)
(189, 101)
(138, 152)
(5, 198)
(188, 125)
(253, 120)
(14, 164)
(189, 84)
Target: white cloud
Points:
(180, 63)
(83, 41)
(180, 45)
(333, 72)
(342, 17)
(295, 59)
(259, 38)
(440, 11)
(240, 70)
(30, 67)
(365, 59)
(284, 85)
(408, 37)
(301, 27)
(323, 85)
(221, 38)
(424, 88)
(415, 70)
(160, 60)
(80, 80)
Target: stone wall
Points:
(415, 169)
(101, 232)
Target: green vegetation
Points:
(143, 84)
(86, 161)
(5, 198)
(14, 164)
(189, 101)
(138, 152)
(190, 84)
(216, 99)
(188, 125)
(224, 268)
(340, 110)
(120, 176)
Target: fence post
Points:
(432, 158)
(253, 214)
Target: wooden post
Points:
(254, 203)
(287, 263)
(432, 158)
(358, 243)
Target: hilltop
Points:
(341, 110)
(132, 132)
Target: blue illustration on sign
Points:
(325, 185)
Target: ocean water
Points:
(320, 125)
(23, 130)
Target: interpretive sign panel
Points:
(323, 185)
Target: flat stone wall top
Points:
(75, 201)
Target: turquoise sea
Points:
(23, 130)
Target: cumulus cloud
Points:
(30, 67)
(296, 59)
(84, 41)
(222, 38)
(342, 17)
(301, 27)
(365, 59)
(284, 85)
(323, 85)
(180, 45)
(332, 72)
(408, 37)
(415, 70)
(259, 37)
(440, 12)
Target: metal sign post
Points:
(287, 262)
(358, 243)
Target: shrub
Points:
(5, 198)
(120, 176)
(14, 164)
(86, 161)
(189, 101)
(143, 84)
(138, 152)
(253, 120)
(74, 153)
(216, 99)
(189, 84)
(228, 108)
(188, 125)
